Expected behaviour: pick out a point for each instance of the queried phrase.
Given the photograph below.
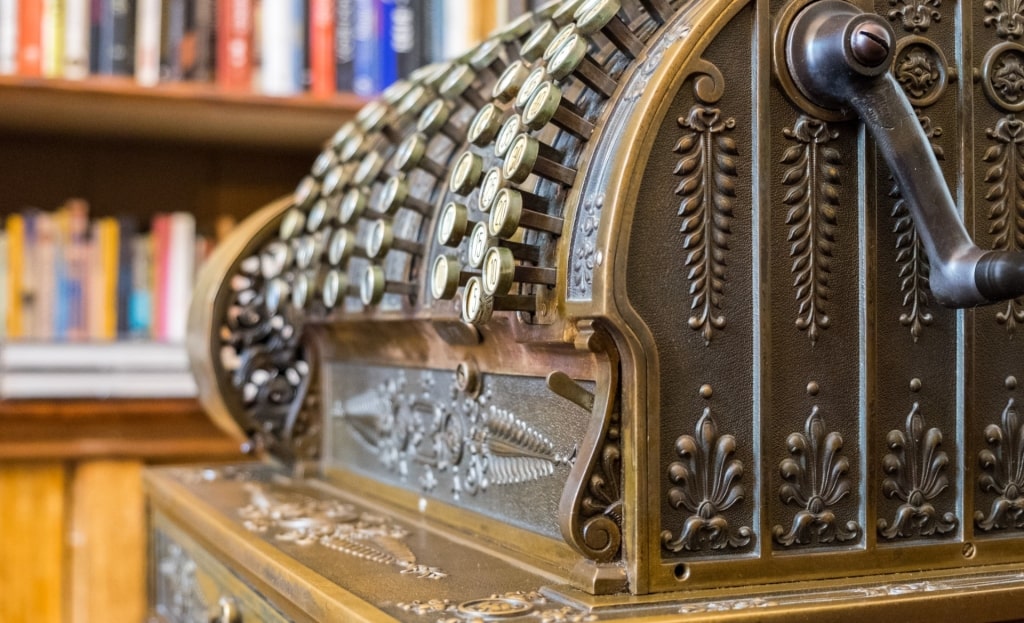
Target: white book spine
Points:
(53, 57)
(180, 274)
(280, 39)
(76, 39)
(8, 36)
(147, 42)
(458, 28)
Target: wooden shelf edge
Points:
(108, 107)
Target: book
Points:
(42, 256)
(8, 36)
(460, 30)
(15, 228)
(76, 39)
(283, 47)
(407, 41)
(234, 45)
(140, 303)
(126, 355)
(203, 16)
(386, 70)
(106, 384)
(344, 44)
(147, 42)
(53, 38)
(322, 32)
(102, 286)
(113, 34)
(30, 38)
(180, 275)
(127, 232)
(160, 241)
(364, 69)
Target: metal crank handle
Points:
(839, 57)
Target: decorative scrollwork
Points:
(812, 176)
(1006, 194)
(479, 444)
(511, 605)
(178, 595)
(916, 469)
(1003, 464)
(816, 480)
(291, 517)
(914, 269)
(1006, 16)
(706, 482)
(708, 186)
(586, 255)
(915, 15)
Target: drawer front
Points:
(188, 585)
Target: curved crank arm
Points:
(839, 57)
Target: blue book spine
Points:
(365, 59)
(300, 45)
(386, 41)
(344, 44)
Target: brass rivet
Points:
(1011, 382)
(915, 385)
(705, 391)
(813, 388)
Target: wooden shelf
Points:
(108, 107)
(150, 430)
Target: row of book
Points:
(67, 277)
(274, 47)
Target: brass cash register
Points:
(666, 309)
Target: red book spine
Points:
(161, 233)
(30, 37)
(234, 44)
(323, 74)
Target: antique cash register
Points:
(666, 309)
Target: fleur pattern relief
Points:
(911, 259)
(1006, 16)
(585, 253)
(915, 15)
(812, 175)
(916, 469)
(706, 482)
(1003, 464)
(1008, 77)
(917, 72)
(708, 186)
(815, 480)
(1006, 195)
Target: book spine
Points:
(438, 30)
(282, 41)
(123, 50)
(16, 266)
(140, 303)
(107, 241)
(76, 39)
(234, 45)
(180, 274)
(8, 36)
(387, 54)
(29, 280)
(77, 267)
(405, 36)
(344, 44)
(365, 62)
(44, 266)
(30, 37)
(126, 234)
(323, 74)
(160, 240)
(459, 27)
(53, 38)
(204, 20)
(101, 37)
(147, 42)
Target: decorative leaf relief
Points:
(1003, 466)
(911, 259)
(706, 482)
(915, 15)
(1006, 16)
(812, 175)
(916, 469)
(1006, 195)
(708, 186)
(816, 480)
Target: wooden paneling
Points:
(107, 541)
(32, 510)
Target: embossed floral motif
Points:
(727, 605)
(585, 251)
(1008, 77)
(1003, 466)
(917, 71)
(291, 517)
(178, 595)
(812, 175)
(915, 15)
(518, 605)
(1006, 16)
(706, 482)
(911, 259)
(478, 444)
(1006, 195)
(916, 470)
(708, 186)
(815, 480)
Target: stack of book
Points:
(274, 47)
(66, 277)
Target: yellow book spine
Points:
(109, 243)
(16, 269)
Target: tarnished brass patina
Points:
(671, 308)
